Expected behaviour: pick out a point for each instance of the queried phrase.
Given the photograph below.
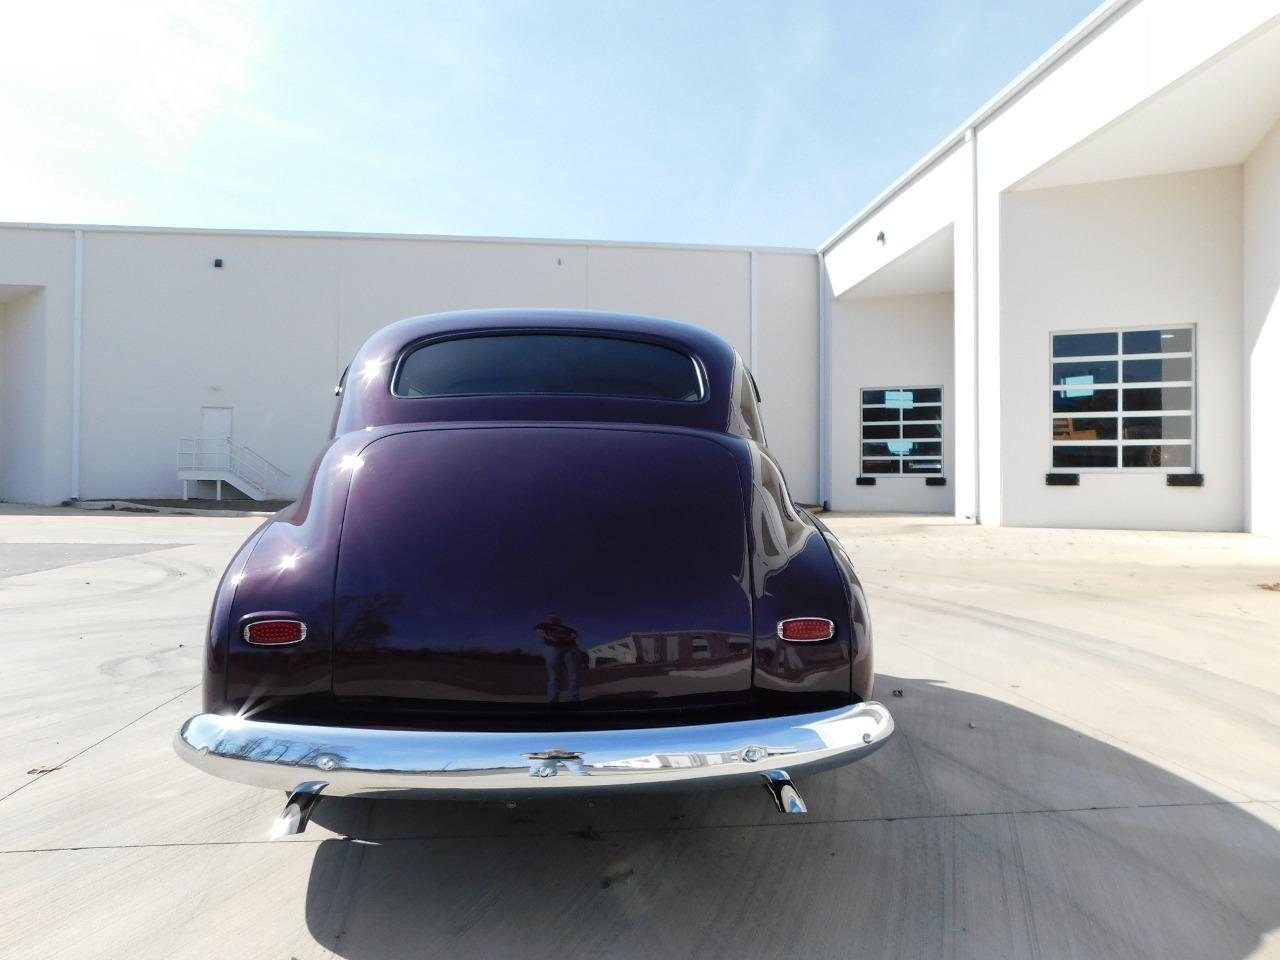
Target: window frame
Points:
(941, 457)
(1120, 414)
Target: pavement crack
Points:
(44, 772)
(624, 831)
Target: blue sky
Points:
(744, 123)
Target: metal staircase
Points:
(225, 462)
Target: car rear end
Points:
(520, 598)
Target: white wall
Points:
(268, 333)
(383, 280)
(1146, 76)
(1143, 252)
(711, 288)
(165, 334)
(786, 364)
(917, 213)
(36, 397)
(888, 342)
(1149, 47)
(1261, 341)
(22, 399)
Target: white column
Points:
(753, 324)
(824, 382)
(77, 354)
(1261, 341)
(964, 398)
(986, 205)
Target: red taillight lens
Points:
(273, 633)
(806, 629)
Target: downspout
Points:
(77, 349)
(824, 386)
(972, 136)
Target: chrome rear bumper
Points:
(355, 761)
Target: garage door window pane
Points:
(922, 431)
(901, 448)
(1084, 345)
(1158, 341)
(881, 431)
(1154, 371)
(1165, 455)
(880, 466)
(922, 466)
(1157, 398)
(1157, 428)
(1081, 375)
(1084, 457)
(1088, 401)
(1084, 428)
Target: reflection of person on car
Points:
(561, 647)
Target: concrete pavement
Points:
(1087, 764)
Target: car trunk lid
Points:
(498, 569)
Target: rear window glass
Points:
(536, 363)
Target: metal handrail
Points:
(196, 454)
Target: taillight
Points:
(274, 633)
(806, 629)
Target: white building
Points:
(117, 343)
(1066, 314)
(1129, 181)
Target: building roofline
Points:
(438, 237)
(1083, 32)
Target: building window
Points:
(1124, 400)
(902, 431)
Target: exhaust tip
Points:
(295, 816)
(784, 793)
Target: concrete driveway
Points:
(1087, 764)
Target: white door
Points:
(215, 423)
(215, 439)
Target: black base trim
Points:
(1184, 479)
(1062, 479)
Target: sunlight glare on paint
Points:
(371, 369)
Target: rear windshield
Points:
(550, 363)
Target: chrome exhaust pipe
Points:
(784, 793)
(297, 810)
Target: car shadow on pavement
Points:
(982, 830)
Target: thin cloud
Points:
(155, 71)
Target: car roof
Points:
(368, 401)
(696, 339)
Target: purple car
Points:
(542, 552)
